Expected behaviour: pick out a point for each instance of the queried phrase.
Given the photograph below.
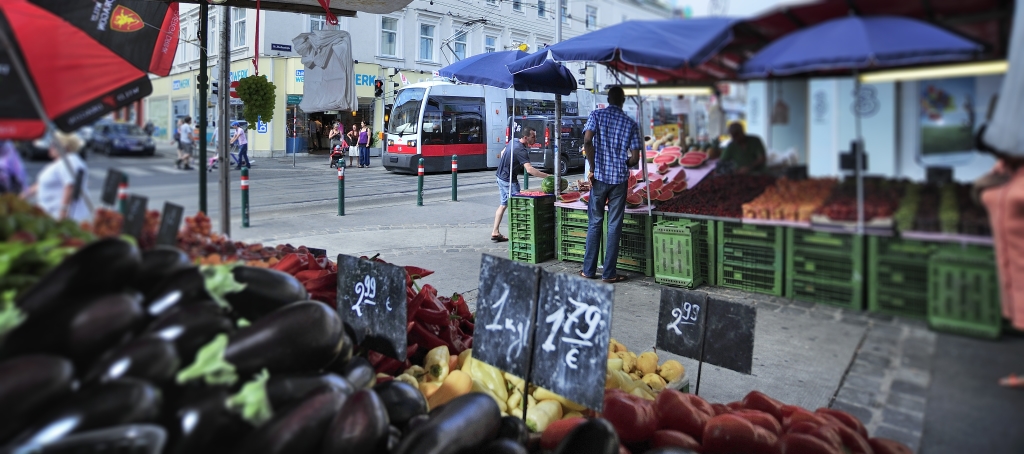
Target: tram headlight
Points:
(411, 143)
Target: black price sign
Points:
(506, 308)
(110, 184)
(570, 351)
(372, 300)
(76, 192)
(709, 330)
(317, 252)
(136, 215)
(169, 222)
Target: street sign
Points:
(261, 127)
(506, 309)
(372, 300)
(234, 86)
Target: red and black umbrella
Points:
(81, 58)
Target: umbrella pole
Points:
(511, 158)
(643, 147)
(37, 104)
(859, 156)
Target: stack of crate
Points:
(898, 276)
(963, 291)
(750, 257)
(823, 267)
(572, 233)
(634, 244)
(532, 230)
(682, 252)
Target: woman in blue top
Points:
(364, 146)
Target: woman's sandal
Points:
(499, 238)
(615, 280)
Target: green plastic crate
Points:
(530, 252)
(634, 223)
(750, 257)
(571, 251)
(634, 253)
(907, 303)
(707, 253)
(539, 235)
(839, 244)
(546, 203)
(757, 235)
(835, 293)
(963, 293)
(824, 267)
(569, 216)
(573, 232)
(897, 276)
(758, 280)
(675, 249)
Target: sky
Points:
(736, 8)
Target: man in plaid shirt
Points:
(612, 143)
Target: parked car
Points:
(121, 138)
(542, 155)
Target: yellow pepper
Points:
(417, 372)
(478, 387)
(436, 364)
(490, 377)
(515, 399)
(466, 355)
(455, 384)
(515, 382)
(545, 412)
(406, 378)
(543, 394)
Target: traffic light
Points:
(378, 88)
(214, 88)
(387, 112)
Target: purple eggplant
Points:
(189, 327)
(266, 291)
(157, 264)
(203, 424)
(359, 372)
(360, 426)
(595, 436)
(503, 446)
(184, 285)
(103, 266)
(285, 390)
(110, 404)
(300, 337)
(463, 424)
(402, 401)
(147, 358)
(298, 429)
(103, 323)
(28, 384)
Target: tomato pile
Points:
(790, 200)
(721, 196)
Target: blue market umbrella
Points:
(490, 69)
(859, 43)
(851, 45)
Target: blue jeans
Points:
(615, 194)
(243, 154)
(364, 155)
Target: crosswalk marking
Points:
(163, 169)
(136, 171)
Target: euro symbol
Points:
(572, 358)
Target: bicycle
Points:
(232, 154)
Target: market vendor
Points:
(745, 153)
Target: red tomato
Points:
(633, 417)
(847, 419)
(558, 430)
(663, 438)
(760, 418)
(682, 412)
(727, 434)
(887, 446)
(797, 443)
(756, 400)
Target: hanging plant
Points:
(257, 94)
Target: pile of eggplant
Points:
(230, 359)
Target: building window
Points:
(193, 51)
(319, 22)
(490, 43)
(237, 27)
(426, 42)
(565, 14)
(460, 45)
(212, 37)
(388, 36)
(182, 55)
(591, 18)
(541, 9)
(517, 5)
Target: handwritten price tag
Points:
(372, 300)
(506, 308)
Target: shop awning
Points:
(341, 8)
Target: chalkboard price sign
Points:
(170, 220)
(136, 215)
(372, 300)
(570, 351)
(681, 322)
(110, 184)
(506, 308)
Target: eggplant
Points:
(157, 264)
(514, 429)
(302, 336)
(339, 363)
(394, 438)
(110, 404)
(359, 372)
(266, 291)
(147, 358)
(189, 327)
(669, 450)
(297, 430)
(467, 422)
(203, 424)
(104, 266)
(503, 446)
(360, 427)
(402, 401)
(413, 423)
(184, 285)
(102, 324)
(595, 436)
(28, 384)
(284, 390)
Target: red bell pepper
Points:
(453, 336)
(461, 307)
(414, 272)
(853, 442)
(887, 446)
(633, 417)
(293, 263)
(735, 406)
(671, 438)
(846, 419)
(414, 303)
(327, 281)
(825, 432)
(728, 434)
(558, 430)
(756, 400)
(760, 418)
(306, 275)
(328, 297)
(800, 443)
(793, 414)
(432, 316)
(682, 412)
(320, 263)
(425, 338)
(720, 409)
(466, 326)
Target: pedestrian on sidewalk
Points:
(185, 144)
(176, 140)
(12, 172)
(242, 141)
(510, 165)
(353, 139)
(54, 188)
(364, 146)
(612, 142)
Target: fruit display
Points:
(547, 185)
(721, 196)
(949, 209)
(789, 200)
(881, 199)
